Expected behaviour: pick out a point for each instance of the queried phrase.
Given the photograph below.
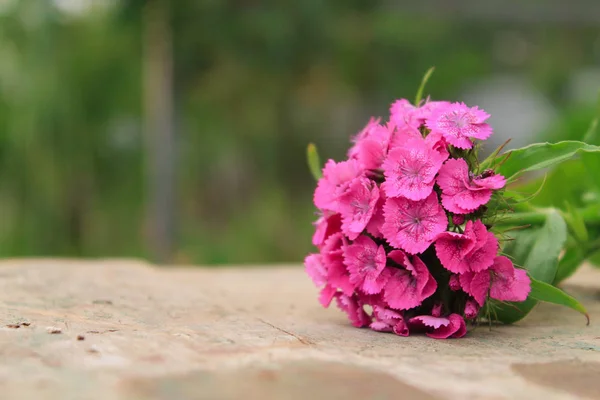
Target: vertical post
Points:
(159, 129)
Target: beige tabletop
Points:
(121, 329)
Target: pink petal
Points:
(363, 135)
(380, 326)
(438, 143)
(326, 295)
(337, 274)
(440, 328)
(334, 183)
(471, 200)
(507, 282)
(453, 176)
(452, 248)
(455, 329)
(387, 320)
(426, 321)
(407, 288)
(315, 269)
(357, 206)
(371, 150)
(493, 182)
(403, 113)
(326, 226)
(354, 309)
(477, 284)
(377, 220)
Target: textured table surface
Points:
(126, 330)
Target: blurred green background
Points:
(176, 130)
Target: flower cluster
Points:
(401, 226)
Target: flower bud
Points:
(471, 309)
(458, 219)
(454, 283)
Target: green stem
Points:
(591, 216)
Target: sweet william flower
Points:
(452, 326)
(384, 214)
(410, 170)
(408, 286)
(502, 281)
(357, 206)
(413, 225)
(459, 124)
(372, 148)
(366, 264)
(362, 135)
(462, 195)
(335, 183)
(474, 250)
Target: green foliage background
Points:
(255, 81)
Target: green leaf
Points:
(591, 162)
(574, 256)
(422, 87)
(542, 291)
(576, 223)
(540, 155)
(314, 162)
(536, 250)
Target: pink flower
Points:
(460, 194)
(408, 286)
(366, 264)
(502, 280)
(440, 328)
(387, 320)
(318, 273)
(459, 124)
(357, 206)
(352, 306)
(335, 183)
(371, 149)
(424, 112)
(410, 170)
(403, 113)
(413, 225)
(471, 309)
(472, 251)
(333, 260)
(362, 135)
(326, 225)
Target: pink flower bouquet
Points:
(414, 232)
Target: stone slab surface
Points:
(126, 330)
